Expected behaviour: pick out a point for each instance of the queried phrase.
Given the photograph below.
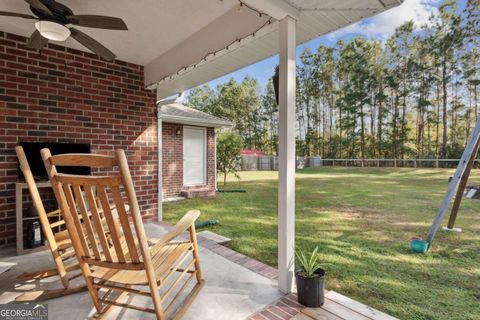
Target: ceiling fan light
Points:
(52, 30)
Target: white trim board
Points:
(195, 122)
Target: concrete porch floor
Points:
(236, 287)
(231, 290)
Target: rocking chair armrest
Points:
(187, 221)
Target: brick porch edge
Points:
(283, 309)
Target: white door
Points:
(194, 156)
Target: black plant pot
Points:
(311, 291)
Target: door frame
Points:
(205, 157)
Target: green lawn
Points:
(362, 220)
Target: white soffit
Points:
(154, 26)
(314, 18)
(224, 31)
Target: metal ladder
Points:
(461, 175)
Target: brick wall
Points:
(211, 169)
(173, 160)
(172, 149)
(66, 95)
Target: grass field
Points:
(362, 220)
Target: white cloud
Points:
(384, 24)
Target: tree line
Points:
(414, 95)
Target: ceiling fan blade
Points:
(18, 15)
(39, 6)
(101, 22)
(36, 41)
(92, 44)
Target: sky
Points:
(378, 27)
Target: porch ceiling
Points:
(154, 26)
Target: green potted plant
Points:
(310, 279)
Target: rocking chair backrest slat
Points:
(86, 221)
(67, 193)
(98, 223)
(102, 221)
(117, 198)
(113, 226)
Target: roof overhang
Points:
(241, 38)
(172, 111)
(195, 122)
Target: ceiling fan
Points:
(53, 20)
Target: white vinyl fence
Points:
(252, 163)
(396, 163)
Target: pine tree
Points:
(415, 95)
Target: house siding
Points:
(173, 160)
(65, 95)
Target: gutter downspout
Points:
(160, 165)
(215, 156)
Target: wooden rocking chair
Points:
(58, 242)
(125, 261)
